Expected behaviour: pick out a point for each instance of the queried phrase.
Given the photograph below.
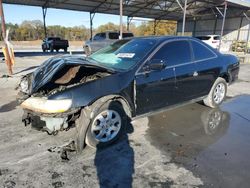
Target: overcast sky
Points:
(19, 13)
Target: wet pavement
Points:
(212, 143)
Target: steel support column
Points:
(91, 17)
(5, 39)
(44, 9)
(238, 35)
(155, 27)
(121, 14)
(248, 32)
(215, 25)
(223, 24)
(184, 18)
(129, 19)
(194, 28)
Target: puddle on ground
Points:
(213, 143)
(9, 106)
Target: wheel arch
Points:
(225, 76)
(116, 98)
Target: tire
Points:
(51, 48)
(217, 93)
(65, 49)
(88, 129)
(212, 120)
(43, 50)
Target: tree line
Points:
(34, 30)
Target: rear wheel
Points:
(106, 126)
(217, 93)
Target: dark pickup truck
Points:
(54, 43)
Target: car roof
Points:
(163, 38)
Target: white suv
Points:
(212, 40)
(103, 39)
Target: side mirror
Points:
(157, 64)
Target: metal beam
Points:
(155, 27)
(178, 2)
(194, 28)
(184, 18)
(238, 35)
(223, 23)
(5, 39)
(248, 32)
(215, 25)
(91, 16)
(129, 19)
(44, 9)
(121, 14)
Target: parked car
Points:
(127, 79)
(103, 39)
(54, 43)
(212, 40)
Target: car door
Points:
(207, 67)
(178, 56)
(154, 88)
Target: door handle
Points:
(195, 73)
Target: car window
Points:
(113, 35)
(203, 37)
(174, 53)
(200, 51)
(216, 37)
(102, 36)
(97, 37)
(125, 35)
(123, 54)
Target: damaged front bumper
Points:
(48, 115)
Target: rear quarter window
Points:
(201, 52)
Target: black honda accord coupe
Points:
(100, 93)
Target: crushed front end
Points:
(55, 77)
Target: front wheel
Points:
(217, 93)
(106, 126)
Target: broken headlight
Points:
(43, 105)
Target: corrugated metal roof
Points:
(168, 9)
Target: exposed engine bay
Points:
(71, 76)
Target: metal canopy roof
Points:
(155, 9)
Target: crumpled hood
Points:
(50, 67)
